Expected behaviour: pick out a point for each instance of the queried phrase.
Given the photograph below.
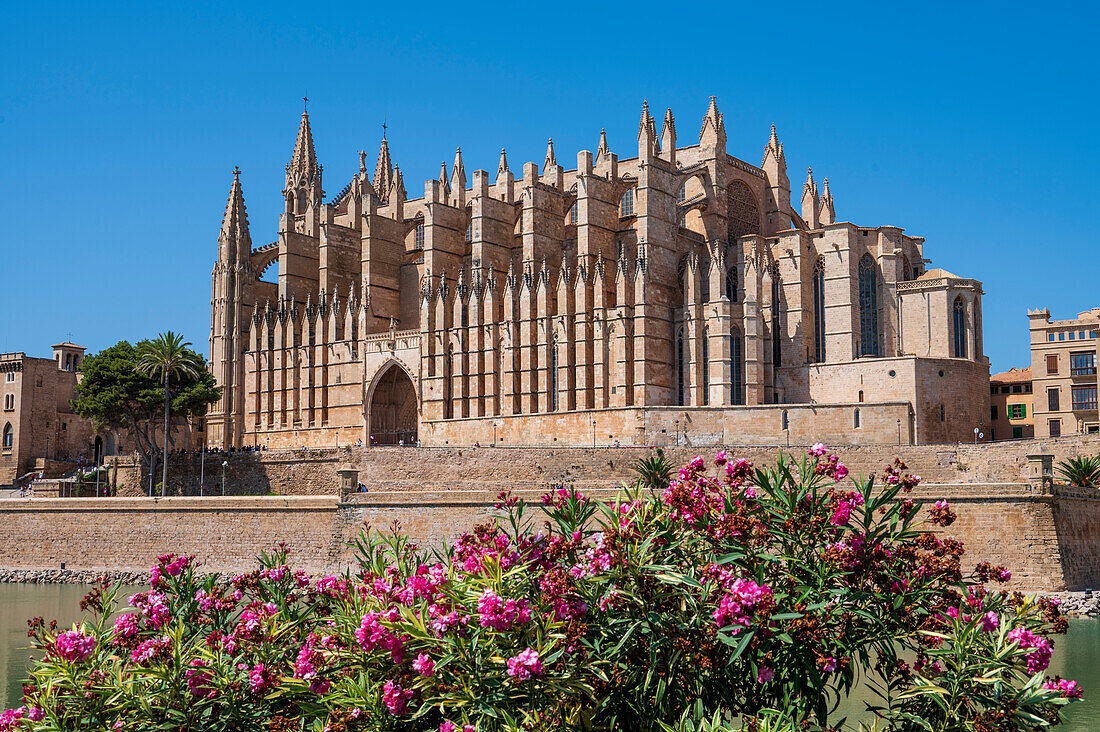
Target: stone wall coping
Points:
(174, 503)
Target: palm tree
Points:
(166, 357)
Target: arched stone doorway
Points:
(393, 410)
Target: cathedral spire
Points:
(383, 169)
(668, 138)
(458, 181)
(303, 161)
(826, 212)
(234, 242)
(774, 148)
(603, 151)
(550, 158)
(647, 133)
(810, 200)
(444, 179)
(502, 168)
(713, 131)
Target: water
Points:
(1076, 655)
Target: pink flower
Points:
(828, 664)
(395, 698)
(37, 714)
(151, 650)
(259, 680)
(817, 450)
(126, 626)
(721, 458)
(1038, 647)
(766, 674)
(525, 665)
(424, 665)
(447, 726)
(990, 622)
(737, 606)
(200, 680)
(72, 645)
(1069, 689)
(841, 471)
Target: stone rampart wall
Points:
(1050, 542)
(313, 472)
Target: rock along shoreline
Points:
(1078, 603)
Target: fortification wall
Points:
(1051, 542)
(313, 472)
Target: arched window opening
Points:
(731, 284)
(704, 279)
(737, 393)
(855, 418)
(573, 213)
(861, 396)
(419, 238)
(742, 212)
(786, 420)
(552, 381)
(959, 321)
(626, 205)
(9, 436)
(705, 352)
(680, 368)
(469, 231)
(868, 308)
(465, 315)
(681, 195)
(819, 310)
(777, 350)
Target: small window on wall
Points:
(993, 411)
(11, 375)
(1015, 411)
(9, 436)
(855, 417)
(419, 238)
(943, 414)
(1052, 364)
(1017, 433)
(573, 213)
(1055, 426)
(1050, 336)
(1052, 399)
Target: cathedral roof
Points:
(938, 274)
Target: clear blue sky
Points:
(973, 126)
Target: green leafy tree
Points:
(114, 394)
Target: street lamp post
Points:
(899, 431)
(225, 464)
(593, 433)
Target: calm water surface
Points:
(1076, 655)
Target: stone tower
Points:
(233, 277)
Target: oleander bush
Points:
(734, 598)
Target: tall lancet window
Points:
(552, 380)
(868, 308)
(705, 364)
(819, 310)
(777, 350)
(680, 368)
(736, 370)
(959, 321)
(731, 283)
(626, 205)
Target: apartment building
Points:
(1063, 373)
(1011, 406)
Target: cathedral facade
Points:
(676, 296)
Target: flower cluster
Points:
(72, 645)
(730, 581)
